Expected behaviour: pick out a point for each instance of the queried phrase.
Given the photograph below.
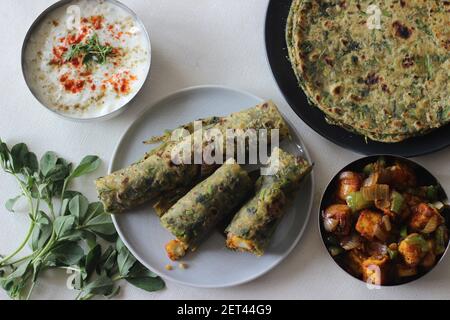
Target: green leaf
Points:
(18, 154)
(144, 279)
(69, 194)
(15, 283)
(64, 206)
(87, 165)
(114, 293)
(66, 253)
(48, 162)
(20, 271)
(108, 262)
(4, 151)
(139, 270)
(74, 235)
(147, 283)
(78, 207)
(94, 209)
(125, 260)
(63, 225)
(31, 163)
(58, 172)
(91, 50)
(90, 238)
(102, 285)
(9, 205)
(42, 187)
(101, 225)
(92, 260)
(120, 245)
(41, 232)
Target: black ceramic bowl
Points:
(277, 55)
(424, 178)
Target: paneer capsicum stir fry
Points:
(382, 226)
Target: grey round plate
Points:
(212, 265)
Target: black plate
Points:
(277, 54)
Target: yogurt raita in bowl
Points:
(86, 59)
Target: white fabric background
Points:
(194, 42)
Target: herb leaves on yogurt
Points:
(92, 51)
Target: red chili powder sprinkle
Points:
(97, 22)
(75, 62)
(71, 85)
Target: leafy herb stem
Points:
(47, 247)
(117, 277)
(63, 191)
(71, 268)
(16, 261)
(21, 246)
(31, 290)
(86, 297)
(33, 212)
(78, 295)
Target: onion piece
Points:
(330, 224)
(377, 249)
(347, 175)
(352, 242)
(380, 233)
(376, 192)
(387, 223)
(431, 225)
(371, 180)
(438, 205)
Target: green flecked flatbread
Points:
(389, 84)
(155, 176)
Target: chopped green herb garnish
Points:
(92, 51)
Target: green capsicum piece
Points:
(356, 201)
(397, 202)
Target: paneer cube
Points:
(348, 182)
(425, 218)
(369, 222)
(430, 258)
(338, 219)
(413, 249)
(355, 259)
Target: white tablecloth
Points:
(194, 42)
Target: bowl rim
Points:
(106, 116)
(322, 233)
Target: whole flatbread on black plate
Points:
(364, 64)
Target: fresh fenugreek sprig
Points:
(66, 238)
(91, 50)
